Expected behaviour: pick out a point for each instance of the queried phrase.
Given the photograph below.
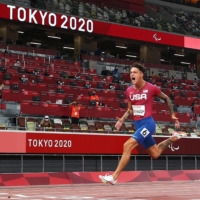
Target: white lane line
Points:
(20, 195)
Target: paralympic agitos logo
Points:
(156, 38)
(173, 148)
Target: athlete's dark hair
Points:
(139, 66)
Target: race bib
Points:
(138, 110)
(75, 113)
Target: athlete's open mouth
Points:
(133, 78)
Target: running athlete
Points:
(140, 101)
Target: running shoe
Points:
(179, 134)
(108, 179)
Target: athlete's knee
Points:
(155, 155)
(129, 145)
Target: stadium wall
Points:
(26, 152)
(27, 142)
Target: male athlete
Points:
(140, 101)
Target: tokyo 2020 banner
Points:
(83, 143)
(73, 23)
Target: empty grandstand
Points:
(61, 45)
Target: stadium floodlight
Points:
(20, 32)
(186, 63)
(176, 54)
(54, 37)
(68, 47)
(131, 56)
(162, 60)
(122, 47)
(36, 43)
(102, 52)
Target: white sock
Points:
(177, 135)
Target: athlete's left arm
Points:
(170, 106)
(168, 102)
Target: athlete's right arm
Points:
(126, 115)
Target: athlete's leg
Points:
(144, 132)
(155, 150)
(141, 134)
(129, 145)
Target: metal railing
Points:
(72, 163)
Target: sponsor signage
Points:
(68, 22)
(84, 143)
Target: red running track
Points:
(168, 190)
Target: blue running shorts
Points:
(145, 128)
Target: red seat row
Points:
(126, 62)
(184, 101)
(177, 93)
(39, 90)
(34, 86)
(35, 108)
(165, 116)
(52, 70)
(112, 101)
(15, 76)
(26, 49)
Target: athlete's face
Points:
(136, 75)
